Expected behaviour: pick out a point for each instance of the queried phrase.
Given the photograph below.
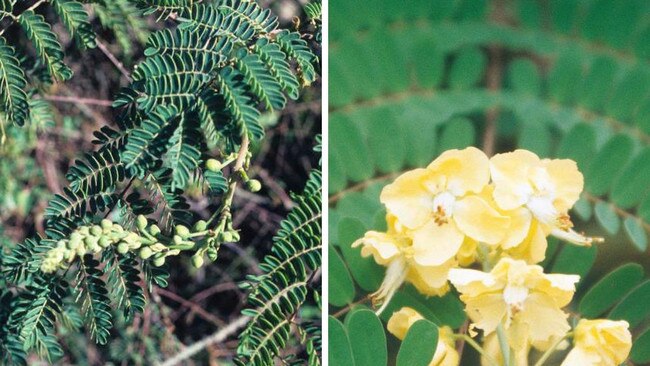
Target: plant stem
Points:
(503, 344)
(550, 351)
(469, 340)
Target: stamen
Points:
(564, 222)
(576, 238)
(395, 276)
(440, 216)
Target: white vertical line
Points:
(325, 140)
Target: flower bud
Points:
(145, 252)
(106, 224)
(254, 185)
(200, 225)
(91, 241)
(226, 237)
(96, 230)
(104, 241)
(212, 253)
(197, 260)
(122, 247)
(178, 240)
(141, 222)
(182, 231)
(154, 230)
(159, 261)
(213, 165)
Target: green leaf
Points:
(341, 287)
(573, 259)
(611, 160)
(340, 351)
(636, 233)
(631, 187)
(419, 345)
(524, 76)
(12, 85)
(458, 133)
(46, 43)
(607, 217)
(634, 307)
(367, 274)
(349, 149)
(579, 144)
(610, 289)
(367, 339)
(641, 348)
(467, 69)
(75, 18)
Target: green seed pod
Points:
(182, 231)
(122, 247)
(159, 261)
(106, 224)
(197, 260)
(235, 236)
(212, 254)
(96, 230)
(254, 185)
(154, 230)
(146, 252)
(213, 165)
(178, 240)
(200, 225)
(141, 222)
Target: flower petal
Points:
(560, 287)
(409, 199)
(401, 320)
(543, 317)
(472, 282)
(466, 170)
(509, 173)
(486, 310)
(435, 244)
(520, 222)
(533, 248)
(568, 182)
(476, 219)
(579, 356)
(430, 280)
(383, 247)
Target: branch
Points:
(78, 100)
(217, 337)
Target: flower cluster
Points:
(148, 242)
(466, 209)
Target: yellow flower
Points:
(445, 355)
(525, 238)
(545, 189)
(600, 343)
(440, 205)
(395, 250)
(520, 297)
